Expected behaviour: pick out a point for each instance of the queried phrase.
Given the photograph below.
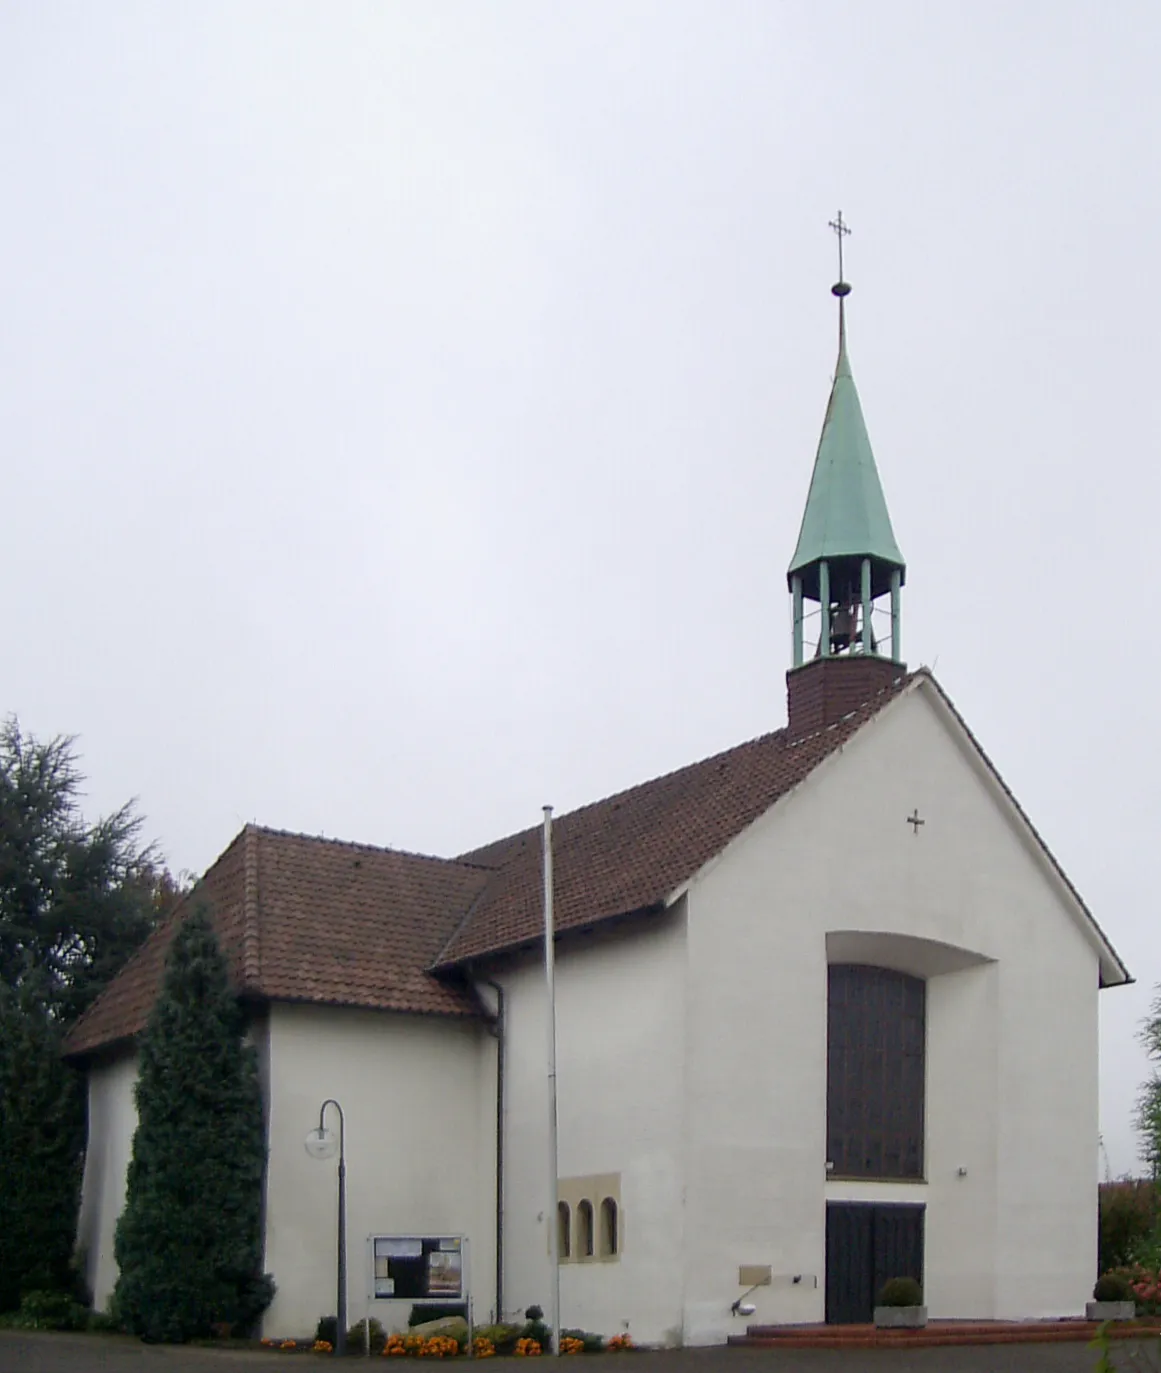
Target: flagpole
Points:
(553, 1198)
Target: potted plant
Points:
(900, 1305)
(1112, 1299)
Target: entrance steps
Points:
(936, 1333)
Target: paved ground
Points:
(34, 1353)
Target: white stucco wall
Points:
(418, 1094)
(620, 1056)
(691, 1056)
(1012, 1069)
(112, 1123)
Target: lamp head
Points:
(322, 1143)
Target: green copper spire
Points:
(846, 513)
(846, 556)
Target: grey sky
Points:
(407, 409)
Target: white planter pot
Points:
(900, 1317)
(1111, 1311)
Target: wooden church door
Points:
(865, 1245)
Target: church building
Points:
(826, 1014)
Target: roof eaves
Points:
(610, 919)
(465, 1011)
(1104, 946)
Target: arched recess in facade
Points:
(877, 1060)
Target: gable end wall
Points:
(1012, 1040)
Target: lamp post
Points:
(321, 1144)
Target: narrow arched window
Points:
(608, 1245)
(584, 1229)
(563, 1230)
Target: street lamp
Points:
(322, 1144)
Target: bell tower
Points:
(847, 572)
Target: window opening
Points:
(608, 1227)
(584, 1227)
(876, 1042)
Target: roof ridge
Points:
(767, 735)
(251, 946)
(775, 751)
(274, 832)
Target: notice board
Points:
(417, 1268)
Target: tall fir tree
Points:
(42, 1139)
(1148, 1113)
(189, 1241)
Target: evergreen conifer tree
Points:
(76, 899)
(189, 1241)
(1148, 1114)
(42, 1138)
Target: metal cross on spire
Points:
(841, 232)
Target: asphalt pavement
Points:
(43, 1353)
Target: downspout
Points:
(496, 1026)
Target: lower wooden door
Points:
(867, 1243)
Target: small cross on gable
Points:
(914, 821)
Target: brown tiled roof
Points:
(318, 920)
(630, 852)
(307, 919)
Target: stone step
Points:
(934, 1334)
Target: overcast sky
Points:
(407, 409)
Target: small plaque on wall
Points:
(754, 1275)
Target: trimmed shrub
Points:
(356, 1337)
(49, 1311)
(593, 1344)
(1112, 1287)
(502, 1336)
(534, 1329)
(901, 1292)
(189, 1241)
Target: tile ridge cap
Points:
(251, 946)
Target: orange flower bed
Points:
(439, 1347)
